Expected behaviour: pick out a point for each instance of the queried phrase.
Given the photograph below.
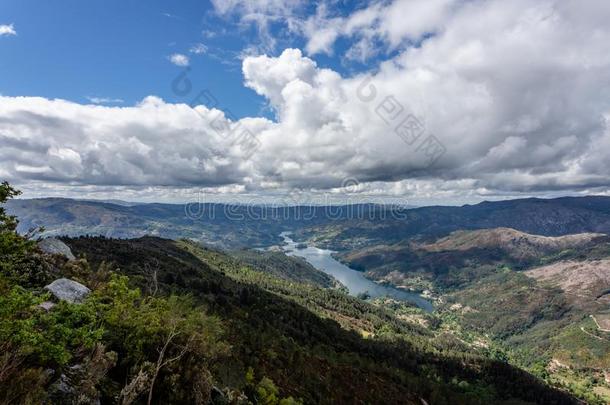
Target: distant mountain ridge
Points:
(545, 217)
(340, 228)
(224, 225)
(445, 261)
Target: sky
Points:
(411, 101)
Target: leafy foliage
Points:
(13, 247)
(308, 340)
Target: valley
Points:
(446, 282)
(354, 281)
(537, 297)
(289, 202)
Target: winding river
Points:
(354, 280)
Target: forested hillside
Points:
(171, 322)
(286, 267)
(544, 299)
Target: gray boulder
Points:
(55, 246)
(68, 290)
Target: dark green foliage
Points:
(13, 247)
(169, 322)
(7, 222)
(275, 330)
(32, 339)
(74, 346)
(280, 265)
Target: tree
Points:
(174, 331)
(365, 295)
(14, 248)
(7, 222)
(151, 271)
(155, 333)
(136, 386)
(265, 392)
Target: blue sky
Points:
(510, 99)
(119, 49)
(116, 49)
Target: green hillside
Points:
(178, 323)
(290, 268)
(540, 298)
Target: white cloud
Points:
(198, 49)
(152, 143)
(269, 76)
(179, 59)
(262, 14)
(378, 27)
(413, 19)
(321, 30)
(518, 93)
(7, 30)
(507, 125)
(209, 33)
(247, 8)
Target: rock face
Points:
(587, 278)
(68, 290)
(55, 246)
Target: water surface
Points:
(354, 280)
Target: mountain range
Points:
(525, 283)
(234, 226)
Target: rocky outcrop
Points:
(56, 246)
(588, 279)
(68, 290)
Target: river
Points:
(354, 280)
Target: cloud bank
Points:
(516, 93)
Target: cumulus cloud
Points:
(152, 143)
(179, 59)
(514, 94)
(270, 76)
(507, 125)
(7, 29)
